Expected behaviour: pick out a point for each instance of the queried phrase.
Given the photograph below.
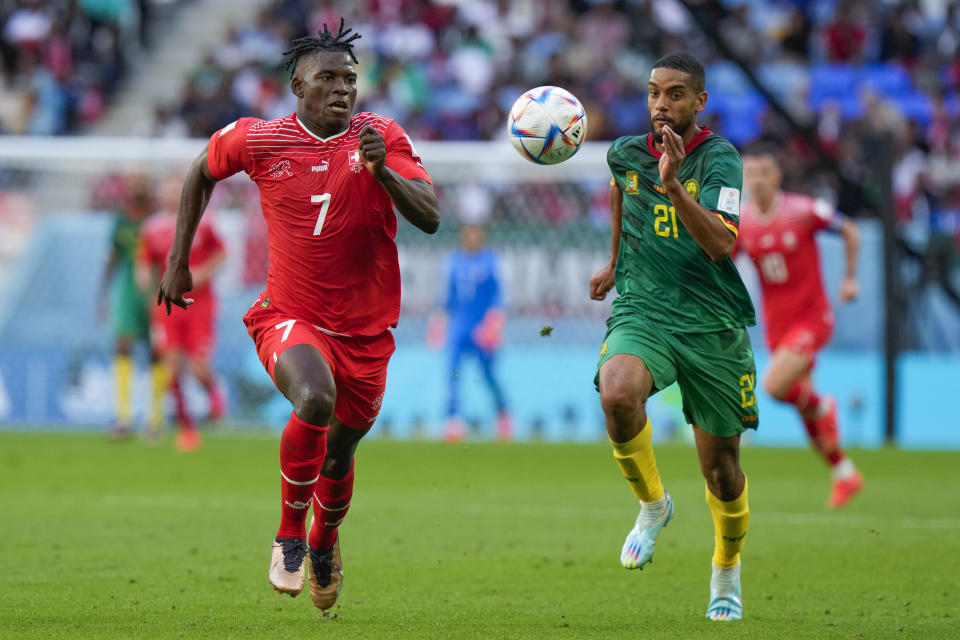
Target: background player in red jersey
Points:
(777, 231)
(184, 340)
(329, 183)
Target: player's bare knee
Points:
(314, 405)
(624, 410)
(774, 388)
(620, 402)
(723, 478)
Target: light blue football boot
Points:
(728, 606)
(638, 547)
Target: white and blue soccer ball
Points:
(547, 125)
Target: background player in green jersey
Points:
(680, 316)
(127, 306)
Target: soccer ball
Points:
(547, 125)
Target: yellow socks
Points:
(123, 372)
(730, 522)
(160, 375)
(639, 466)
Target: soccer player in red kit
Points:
(777, 231)
(329, 183)
(183, 339)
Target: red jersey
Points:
(782, 246)
(330, 224)
(156, 240)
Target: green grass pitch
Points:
(103, 540)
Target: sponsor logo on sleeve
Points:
(729, 201)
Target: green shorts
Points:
(128, 313)
(715, 371)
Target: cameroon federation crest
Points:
(693, 188)
(633, 183)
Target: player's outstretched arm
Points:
(603, 280)
(197, 189)
(705, 227)
(415, 198)
(850, 289)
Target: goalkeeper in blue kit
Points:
(474, 326)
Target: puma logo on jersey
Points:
(280, 169)
(323, 166)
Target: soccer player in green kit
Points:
(680, 316)
(127, 307)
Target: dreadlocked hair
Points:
(323, 41)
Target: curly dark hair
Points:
(323, 41)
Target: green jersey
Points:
(662, 273)
(124, 240)
(128, 305)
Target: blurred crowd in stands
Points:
(449, 70)
(60, 60)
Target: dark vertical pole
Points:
(881, 147)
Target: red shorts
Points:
(806, 335)
(358, 364)
(190, 330)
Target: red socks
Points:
(331, 500)
(822, 429)
(803, 397)
(302, 449)
(180, 403)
